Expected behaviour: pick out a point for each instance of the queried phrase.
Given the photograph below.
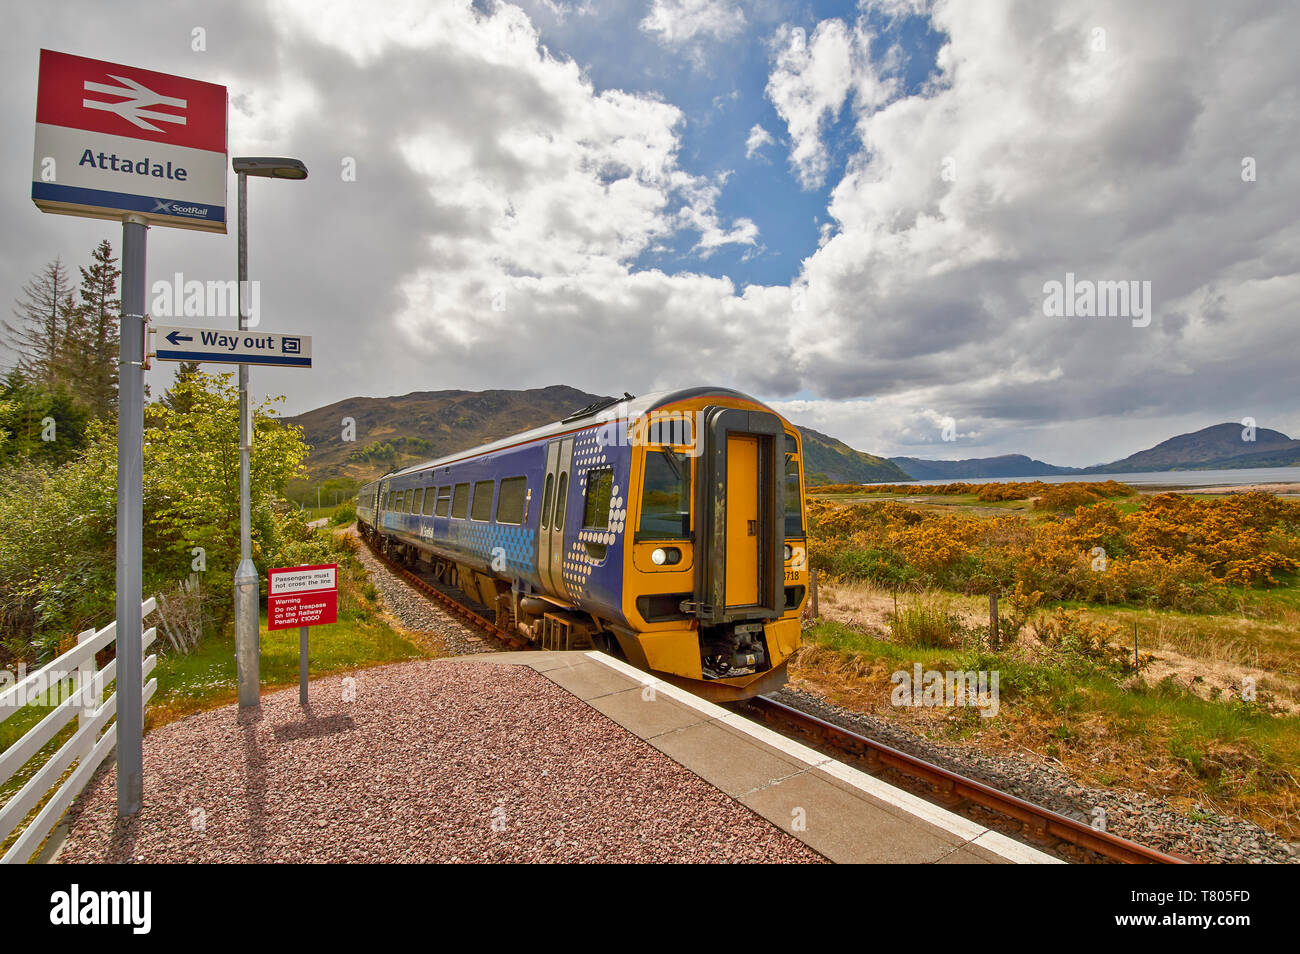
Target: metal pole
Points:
(247, 636)
(130, 505)
(302, 665)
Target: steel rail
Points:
(1043, 822)
(464, 612)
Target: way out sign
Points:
(302, 596)
(223, 346)
(113, 140)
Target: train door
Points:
(554, 515)
(742, 517)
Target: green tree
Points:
(42, 423)
(93, 348)
(192, 475)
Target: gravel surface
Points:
(429, 762)
(1146, 819)
(419, 615)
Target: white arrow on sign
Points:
(224, 346)
(133, 109)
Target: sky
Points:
(853, 211)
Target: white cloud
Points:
(813, 77)
(675, 22)
(758, 138)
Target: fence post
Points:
(812, 582)
(993, 621)
(89, 701)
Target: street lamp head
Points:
(270, 167)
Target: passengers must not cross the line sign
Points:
(224, 346)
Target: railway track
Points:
(951, 790)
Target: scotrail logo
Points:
(76, 907)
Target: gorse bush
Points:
(1175, 552)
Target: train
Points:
(669, 530)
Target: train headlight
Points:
(666, 556)
(789, 553)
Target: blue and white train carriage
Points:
(669, 529)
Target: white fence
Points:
(72, 684)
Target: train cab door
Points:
(742, 519)
(554, 516)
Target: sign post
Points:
(144, 148)
(302, 596)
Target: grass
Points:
(1105, 730)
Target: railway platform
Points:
(505, 757)
(844, 814)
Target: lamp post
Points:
(247, 636)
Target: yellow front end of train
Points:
(716, 563)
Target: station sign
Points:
(302, 596)
(226, 346)
(113, 140)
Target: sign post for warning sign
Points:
(144, 148)
(302, 596)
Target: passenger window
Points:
(666, 496)
(510, 502)
(429, 496)
(410, 495)
(444, 501)
(595, 512)
(561, 501)
(546, 502)
(419, 500)
(460, 502)
(793, 511)
(482, 508)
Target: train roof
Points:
(627, 407)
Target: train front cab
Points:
(718, 572)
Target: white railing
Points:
(70, 683)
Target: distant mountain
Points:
(1008, 465)
(392, 432)
(1220, 446)
(395, 431)
(827, 460)
(1211, 448)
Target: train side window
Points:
(444, 501)
(546, 501)
(793, 512)
(430, 495)
(482, 506)
(561, 501)
(595, 510)
(510, 502)
(460, 501)
(665, 496)
(410, 495)
(419, 500)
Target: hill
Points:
(829, 461)
(1007, 465)
(395, 431)
(1210, 448)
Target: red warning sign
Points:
(302, 596)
